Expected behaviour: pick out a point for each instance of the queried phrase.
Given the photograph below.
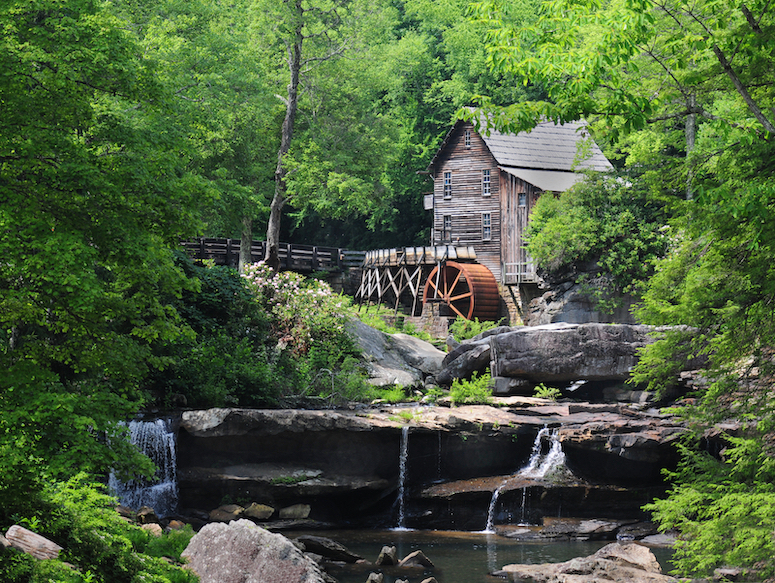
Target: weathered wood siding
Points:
(467, 203)
(517, 201)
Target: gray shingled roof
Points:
(548, 146)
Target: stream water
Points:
(459, 557)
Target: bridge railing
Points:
(303, 258)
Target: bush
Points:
(463, 329)
(477, 391)
(724, 508)
(602, 219)
(99, 545)
(307, 322)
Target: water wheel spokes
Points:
(468, 289)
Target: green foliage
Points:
(313, 349)
(724, 509)
(99, 545)
(378, 317)
(394, 394)
(544, 392)
(605, 220)
(476, 391)
(463, 329)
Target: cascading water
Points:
(490, 527)
(156, 440)
(404, 454)
(539, 466)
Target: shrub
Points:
(307, 321)
(463, 329)
(601, 219)
(543, 392)
(394, 394)
(99, 545)
(477, 391)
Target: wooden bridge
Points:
(408, 277)
(301, 258)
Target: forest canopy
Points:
(682, 96)
(129, 124)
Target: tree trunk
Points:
(246, 243)
(291, 105)
(691, 135)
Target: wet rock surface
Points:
(627, 563)
(344, 464)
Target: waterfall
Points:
(156, 440)
(404, 453)
(490, 527)
(539, 465)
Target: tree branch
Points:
(741, 89)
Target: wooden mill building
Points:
(485, 186)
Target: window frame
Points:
(446, 228)
(447, 185)
(486, 182)
(487, 226)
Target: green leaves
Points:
(725, 510)
(603, 219)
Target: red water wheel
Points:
(468, 289)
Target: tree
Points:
(684, 93)
(92, 205)
(309, 34)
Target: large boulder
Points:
(395, 358)
(563, 353)
(626, 563)
(242, 552)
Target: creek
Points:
(459, 557)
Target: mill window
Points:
(448, 185)
(446, 234)
(486, 184)
(486, 226)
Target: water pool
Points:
(459, 557)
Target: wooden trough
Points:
(414, 276)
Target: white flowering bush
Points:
(302, 312)
(307, 319)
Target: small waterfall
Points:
(490, 527)
(539, 466)
(402, 477)
(156, 440)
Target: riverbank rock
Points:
(327, 548)
(625, 563)
(416, 559)
(242, 552)
(564, 353)
(32, 543)
(395, 358)
(559, 353)
(387, 556)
